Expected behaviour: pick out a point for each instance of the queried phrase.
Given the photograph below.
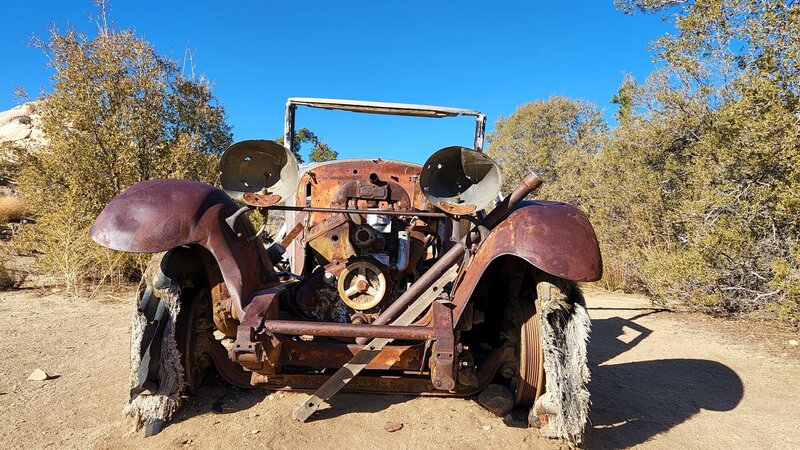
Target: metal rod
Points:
(452, 256)
(298, 328)
(387, 212)
(528, 185)
(480, 131)
(288, 128)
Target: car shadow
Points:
(351, 402)
(635, 401)
(216, 396)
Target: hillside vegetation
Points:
(118, 113)
(695, 193)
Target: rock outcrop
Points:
(20, 130)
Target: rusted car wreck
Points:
(387, 277)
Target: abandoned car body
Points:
(390, 272)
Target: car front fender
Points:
(159, 215)
(556, 238)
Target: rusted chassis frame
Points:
(156, 216)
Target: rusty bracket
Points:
(375, 190)
(253, 348)
(458, 209)
(443, 350)
(231, 221)
(261, 200)
(353, 367)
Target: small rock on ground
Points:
(391, 427)
(497, 399)
(38, 375)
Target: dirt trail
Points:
(660, 380)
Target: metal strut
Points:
(371, 350)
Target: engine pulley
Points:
(362, 285)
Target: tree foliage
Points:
(555, 137)
(118, 113)
(695, 193)
(320, 152)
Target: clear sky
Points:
(489, 56)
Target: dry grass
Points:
(11, 209)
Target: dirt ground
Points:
(659, 380)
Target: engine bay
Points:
(352, 266)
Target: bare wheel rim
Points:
(530, 384)
(186, 336)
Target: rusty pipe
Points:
(299, 328)
(383, 212)
(529, 184)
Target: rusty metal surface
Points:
(353, 367)
(528, 185)
(250, 349)
(221, 307)
(333, 355)
(332, 185)
(388, 212)
(260, 200)
(457, 253)
(299, 328)
(330, 240)
(320, 188)
(444, 348)
(362, 284)
(388, 384)
(396, 384)
(350, 245)
(360, 106)
(158, 215)
(554, 237)
(457, 209)
(530, 382)
(230, 372)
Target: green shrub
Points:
(118, 113)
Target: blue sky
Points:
(489, 56)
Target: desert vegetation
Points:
(118, 113)
(693, 188)
(695, 192)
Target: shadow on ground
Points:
(347, 403)
(634, 401)
(218, 397)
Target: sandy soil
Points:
(660, 380)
